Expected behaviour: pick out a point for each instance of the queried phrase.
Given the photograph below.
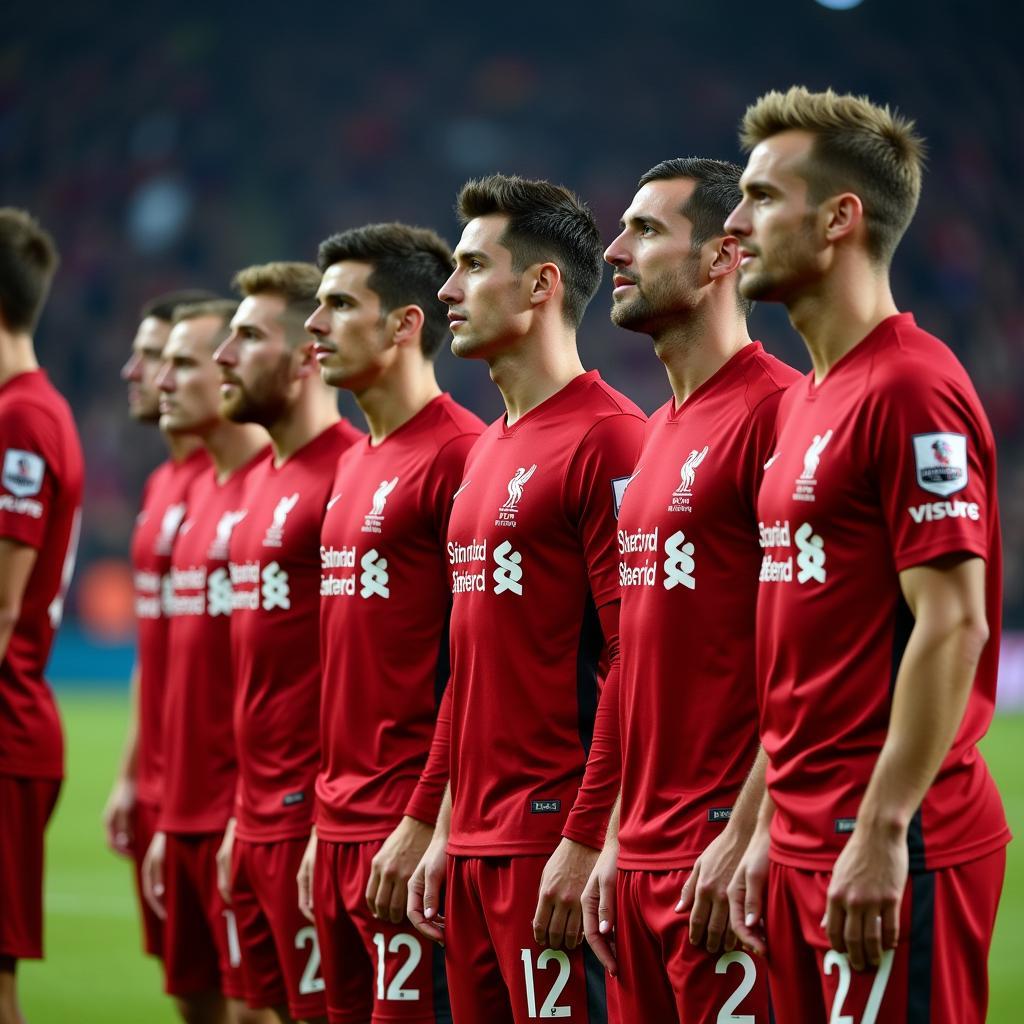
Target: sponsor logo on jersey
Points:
(844, 826)
(807, 480)
(509, 572)
(466, 580)
(21, 506)
(220, 598)
(170, 523)
(275, 532)
(545, 806)
(941, 461)
(222, 538)
(337, 558)
(462, 487)
(374, 580)
(375, 517)
(291, 799)
(23, 472)
(768, 465)
(933, 511)
(507, 512)
(719, 813)
(177, 599)
(148, 594)
(810, 557)
(679, 565)
(334, 501)
(275, 589)
(680, 500)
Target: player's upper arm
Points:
(16, 563)
(948, 594)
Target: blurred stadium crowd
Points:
(167, 146)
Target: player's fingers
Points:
(573, 927)
(153, 886)
(686, 893)
(606, 909)
(853, 935)
(433, 882)
(396, 908)
(718, 922)
(541, 920)
(890, 925)
(699, 914)
(556, 929)
(834, 923)
(730, 938)
(381, 907)
(745, 909)
(873, 936)
(305, 887)
(372, 886)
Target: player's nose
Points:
(449, 293)
(617, 255)
(131, 368)
(738, 222)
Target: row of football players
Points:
(816, 776)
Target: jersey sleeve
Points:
(444, 480)
(425, 802)
(758, 448)
(934, 459)
(28, 482)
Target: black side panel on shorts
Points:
(588, 656)
(597, 998)
(922, 943)
(442, 1007)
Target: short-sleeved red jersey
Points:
(162, 512)
(532, 556)
(40, 499)
(274, 567)
(199, 743)
(688, 560)
(889, 463)
(383, 623)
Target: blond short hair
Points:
(224, 309)
(294, 282)
(859, 147)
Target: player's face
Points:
(781, 250)
(488, 303)
(353, 345)
(257, 363)
(142, 367)
(189, 379)
(656, 277)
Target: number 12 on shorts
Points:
(550, 1007)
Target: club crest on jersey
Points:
(687, 472)
(807, 480)
(941, 461)
(507, 512)
(169, 524)
(275, 532)
(375, 517)
(222, 538)
(23, 472)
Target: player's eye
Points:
(646, 230)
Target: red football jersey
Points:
(40, 502)
(383, 623)
(889, 463)
(162, 512)
(199, 744)
(688, 560)
(533, 559)
(274, 568)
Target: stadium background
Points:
(168, 145)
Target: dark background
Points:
(168, 146)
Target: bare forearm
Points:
(747, 805)
(444, 817)
(129, 752)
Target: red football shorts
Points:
(497, 973)
(201, 951)
(937, 974)
(280, 953)
(374, 970)
(143, 826)
(25, 808)
(662, 977)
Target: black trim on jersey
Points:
(443, 669)
(597, 995)
(922, 943)
(903, 623)
(588, 656)
(442, 1006)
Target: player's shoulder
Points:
(31, 400)
(452, 421)
(603, 400)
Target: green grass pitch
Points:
(95, 974)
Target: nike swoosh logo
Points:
(333, 501)
(464, 485)
(772, 459)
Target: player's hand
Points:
(425, 885)
(224, 861)
(304, 878)
(862, 917)
(559, 916)
(153, 874)
(598, 903)
(746, 893)
(117, 817)
(705, 892)
(392, 867)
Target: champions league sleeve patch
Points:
(23, 473)
(941, 461)
(619, 485)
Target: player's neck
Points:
(397, 398)
(315, 411)
(838, 314)
(17, 355)
(181, 446)
(694, 350)
(533, 370)
(232, 445)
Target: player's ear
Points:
(726, 258)
(407, 323)
(544, 278)
(844, 215)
